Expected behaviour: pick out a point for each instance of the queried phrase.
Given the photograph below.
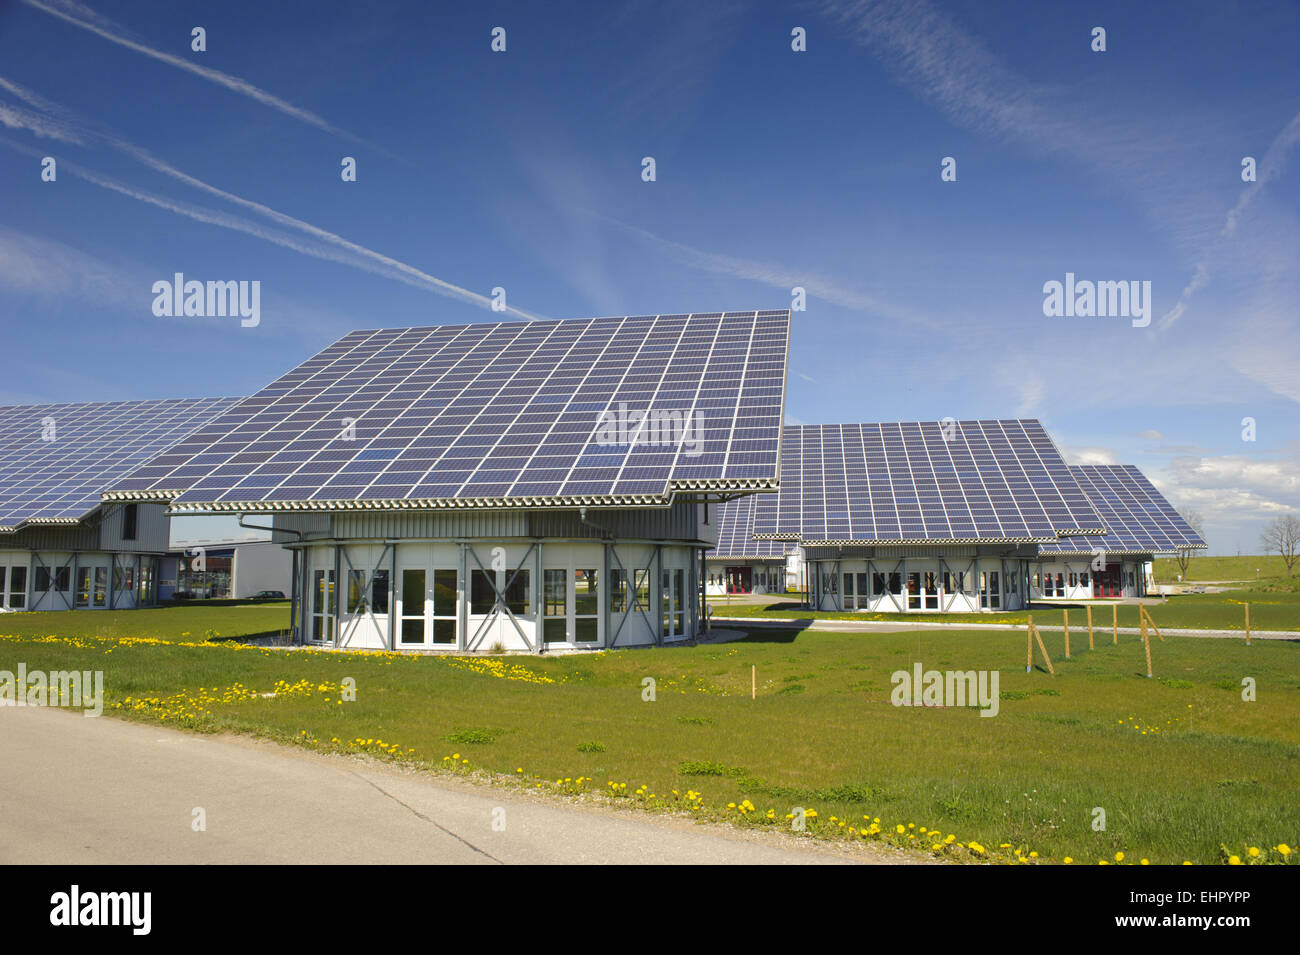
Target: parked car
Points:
(269, 595)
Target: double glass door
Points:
(427, 606)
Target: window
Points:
(618, 591)
(83, 587)
(17, 588)
(379, 592)
(128, 579)
(896, 584)
(101, 586)
(1083, 579)
(483, 598)
(42, 579)
(1074, 579)
(356, 591)
(130, 521)
(519, 595)
(878, 583)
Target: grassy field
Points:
(1221, 568)
(1269, 610)
(1180, 764)
(179, 621)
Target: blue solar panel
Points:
(549, 412)
(735, 524)
(1138, 519)
(56, 459)
(923, 482)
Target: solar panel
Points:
(602, 410)
(735, 523)
(56, 459)
(1138, 519)
(923, 482)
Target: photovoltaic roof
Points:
(923, 482)
(544, 413)
(56, 459)
(735, 522)
(1138, 519)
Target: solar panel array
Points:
(735, 523)
(1138, 519)
(56, 459)
(537, 413)
(924, 482)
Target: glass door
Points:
(555, 610)
(412, 607)
(322, 606)
(929, 581)
(83, 587)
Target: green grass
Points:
(1221, 568)
(1269, 610)
(225, 618)
(1211, 769)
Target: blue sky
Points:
(775, 169)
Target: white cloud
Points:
(1275, 478)
(1151, 434)
(31, 265)
(1089, 455)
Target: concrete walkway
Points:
(86, 791)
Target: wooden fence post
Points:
(1029, 651)
(1247, 624)
(1065, 615)
(1038, 635)
(1146, 642)
(1090, 646)
(1114, 622)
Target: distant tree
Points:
(1282, 537)
(1184, 554)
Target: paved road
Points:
(899, 626)
(80, 790)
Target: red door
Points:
(738, 580)
(1108, 582)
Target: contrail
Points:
(379, 264)
(87, 19)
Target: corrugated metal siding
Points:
(382, 525)
(152, 529)
(309, 525)
(675, 523)
(70, 538)
(965, 551)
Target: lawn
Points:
(1269, 610)
(1179, 764)
(174, 621)
(1221, 568)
